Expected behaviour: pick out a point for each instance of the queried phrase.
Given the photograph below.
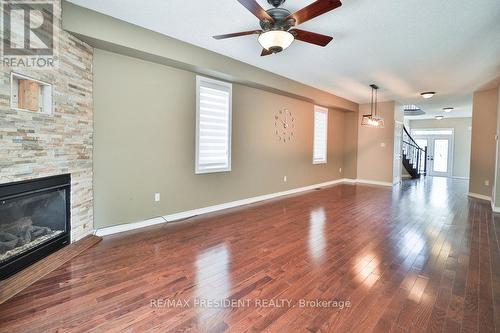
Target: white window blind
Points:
(213, 125)
(320, 135)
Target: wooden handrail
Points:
(412, 145)
(408, 134)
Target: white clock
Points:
(284, 124)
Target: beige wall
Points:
(145, 143)
(462, 140)
(496, 198)
(483, 146)
(350, 145)
(376, 146)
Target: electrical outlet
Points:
(382, 144)
(486, 182)
(284, 179)
(157, 197)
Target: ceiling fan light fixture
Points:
(428, 94)
(276, 40)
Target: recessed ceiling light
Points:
(428, 94)
(448, 109)
(439, 117)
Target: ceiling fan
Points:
(278, 24)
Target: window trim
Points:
(324, 110)
(199, 82)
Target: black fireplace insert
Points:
(34, 221)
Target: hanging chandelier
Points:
(373, 119)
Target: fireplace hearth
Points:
(34, 221)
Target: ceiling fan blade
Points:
(238, 34)
(317, 8)
(265, 53)
(311, 37)
(256, 9)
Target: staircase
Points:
(414, 157)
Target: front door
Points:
(439, 157)
(439, 143)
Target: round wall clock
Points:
(284, 124)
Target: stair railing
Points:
(413, 152)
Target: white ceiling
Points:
(406, 47)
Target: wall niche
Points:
(29, 94)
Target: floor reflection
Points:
(413, 244)
(213, 283)
(366, 268)
(439, 195)
(317, 242)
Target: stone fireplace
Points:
(34, 221)
(37, 145)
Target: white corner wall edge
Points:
(479, 196)
(190, 213)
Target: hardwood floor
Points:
(420, 257)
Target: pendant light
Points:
(373, 119)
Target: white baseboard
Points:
(373, 182)
(349, 181)
(456, 177)
(479, 196)
(190, 213)
(129, 226)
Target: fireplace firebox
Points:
(34, 221)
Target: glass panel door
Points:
(439, 143)
(440, 155)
